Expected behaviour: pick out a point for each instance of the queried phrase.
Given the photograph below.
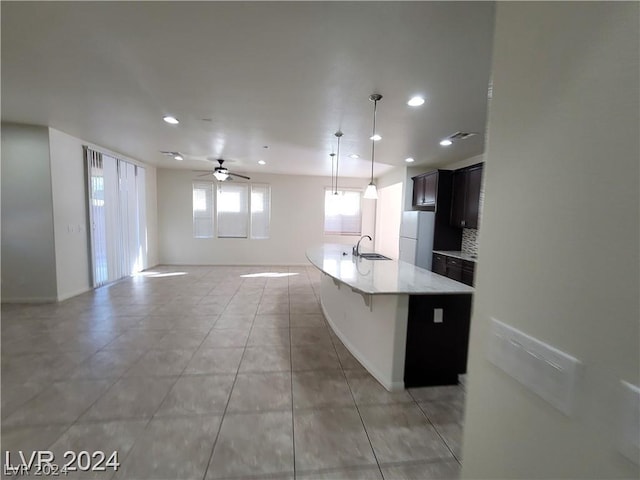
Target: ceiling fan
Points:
(222, 173)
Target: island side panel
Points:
(375, 334)
(436, 351)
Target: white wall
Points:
(28, 253)
(152, 215)
(297, 216)
(68, 184)
(559, 246)
(45, 245)
(70, 212)
(388, 219)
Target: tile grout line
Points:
(293, 427)
(235, 379)
(357, 408)
(436, 429)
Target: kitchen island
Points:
(406, 325)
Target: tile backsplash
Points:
(470, 241)
(470, 235)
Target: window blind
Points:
(342, 212)
(260, 211)
(233, 210)
(203, 210)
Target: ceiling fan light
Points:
(171, 120)
(179, 158)
(221, 176)
(371, 192)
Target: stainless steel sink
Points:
(374, 256)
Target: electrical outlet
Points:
(629, 422)
(545, 370)
(437, 315)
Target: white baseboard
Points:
(29, 300)
(67, 296)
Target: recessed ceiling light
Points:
(261, 162)
(179, 158)
(354, 155)
(446, 142)
(171, 120)
(375, 137)
(415, 101)
(409, 160)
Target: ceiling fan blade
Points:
(238, 175)
(205, 174)
(201, 171)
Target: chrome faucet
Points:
(356, 250)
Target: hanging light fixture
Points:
(338, 134)
(332, 155)
(371, 191)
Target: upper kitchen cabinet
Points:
(429, 189)
(465, 205)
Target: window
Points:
(342, 214)
(203, 210)
(260, 211)
(233, 210)
(238, 215)
(116, 198)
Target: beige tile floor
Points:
(211, 373)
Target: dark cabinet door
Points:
(430, 189)
(418, 191)
(465, 202)
(439, 264)
(468, 269)
(425, 190)
(454, 269)
(472, 202)
(458, 199)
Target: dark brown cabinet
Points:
(454, 268)
(428, 188)
(465, 204)
(436, 351)
(468, 271)
(439, 264)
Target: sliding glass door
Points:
(117, 216)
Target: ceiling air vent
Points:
(461, 135)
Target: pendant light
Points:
(371, 191)
(338, 134)
(332, 170)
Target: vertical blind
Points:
(117, 215)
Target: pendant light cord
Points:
(339, 135)
(373, 142)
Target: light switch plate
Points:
(437, 315)
(629, 418)
(543, 369)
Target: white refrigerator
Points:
(416, 238)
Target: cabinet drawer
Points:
(439, 264)
(468, 270)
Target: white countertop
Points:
(380, 276)
(457, 254)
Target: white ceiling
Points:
(286, 75)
